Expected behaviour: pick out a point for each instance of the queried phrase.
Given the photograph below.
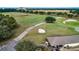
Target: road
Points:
(12, 43)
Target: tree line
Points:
(73, 13)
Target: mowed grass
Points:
(24, 20)
(52, 29)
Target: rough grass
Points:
(26, 19)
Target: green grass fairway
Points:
(73, 24)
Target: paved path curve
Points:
(12, 43)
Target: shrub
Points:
(29, 46)
(42, 48)
(50, 19)
(26, 46)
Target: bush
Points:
(26, 46)
(42, 48)
(29, 46)
(50, 19)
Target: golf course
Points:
(26, 20)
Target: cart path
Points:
(12, 43)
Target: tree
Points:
(50, 19)
(12, 23)
(27, 11)
(8, 9)
(5, 32)
(41, 12)
(7, 26)
(59, 13)
(30, 11)
(49, 13)
(36, 12)
(70, 15)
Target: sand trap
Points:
(70, 20)
(41, 31)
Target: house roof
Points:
(62, 40)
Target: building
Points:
(65, 41)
